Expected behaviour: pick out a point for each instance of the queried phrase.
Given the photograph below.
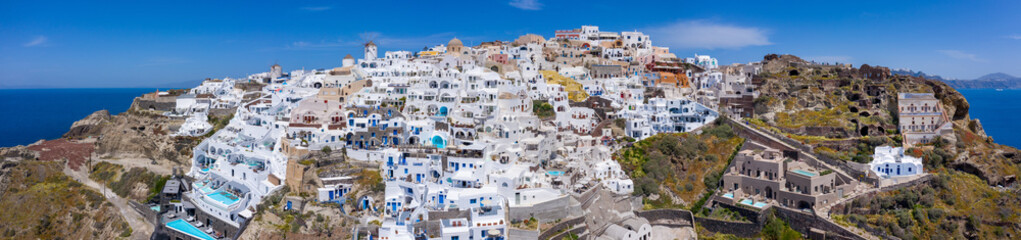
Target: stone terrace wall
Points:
(521, 234)
(804, 222)
(545, 211)
(675, 215)
(218, 112)
(739, 229)
(563, 225)
(145, 104)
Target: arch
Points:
(439, 142)
(804, 205)
(442, 111)
(317, 85)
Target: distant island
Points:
(993, 80)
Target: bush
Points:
(723, 131)
(776, 228)
(903, 218)
(327, 150)
(688, 187)
(936, 214)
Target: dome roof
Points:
(349, 57)
(455, 41)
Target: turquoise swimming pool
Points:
(205, 190)
(747, 202)
(555, 173)
(728, 195)
(806, 173)
(224, 197)
(186, 228)
(759, 204)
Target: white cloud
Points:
(961, 55)
(526, 4)
(1015, 36)
(37, 41)
(830, 59)
(317, 9)
(708, 35)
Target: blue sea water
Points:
(999, 112)
(33, 114)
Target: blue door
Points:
(288, 207)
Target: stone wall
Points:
(804, 223)
(575, 231)
(215, 223)
(520, 234)
(219, 112)
(739, 229)
(563, 225)
(146, 104)
(547, 211)
(671, 217)
(920, 180)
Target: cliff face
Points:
(88, 126)
(133, 135)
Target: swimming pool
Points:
(555, 173)
(729, 195)
(205, 190)
(806, 173)
(747, 202)
(186, 228)
(759, 204)
(224, 197)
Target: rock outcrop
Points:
(88, 126)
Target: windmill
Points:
(370, 46)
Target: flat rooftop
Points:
(916, 96)
(172, 186)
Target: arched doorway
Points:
(769, 192)
(442, 112)
(804, 205)
(439, 142)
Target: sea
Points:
(33, 114)
(999, 111)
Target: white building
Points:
(892, 162)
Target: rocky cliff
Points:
(845, 112)
(134, 135)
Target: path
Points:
(140, 228)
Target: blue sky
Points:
(142, 43)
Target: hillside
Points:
(677, 170)
(844, 113)
(40, 202)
